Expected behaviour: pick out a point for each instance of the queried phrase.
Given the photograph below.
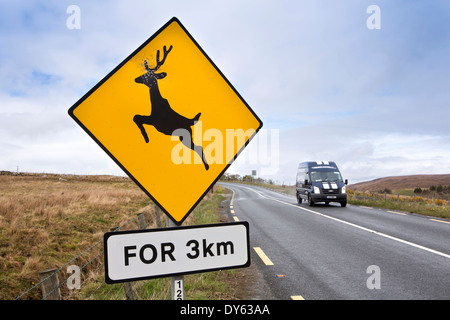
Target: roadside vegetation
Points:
(404, 200)
(48, 219)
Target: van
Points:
(320, 181)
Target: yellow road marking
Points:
(297, 298)
(263, 256)
(231, 207)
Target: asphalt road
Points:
(330, 252)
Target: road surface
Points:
(330, 252)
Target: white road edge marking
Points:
(401, 213)
(440, 220)
(359, 227)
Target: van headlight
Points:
(316, 190)
(344, 189)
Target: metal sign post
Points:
(177, 282)
(177, 288)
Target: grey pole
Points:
(177, 282)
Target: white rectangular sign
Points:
(144, 254)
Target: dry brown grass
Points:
(48, 220)
(45, 220)
(402, 182)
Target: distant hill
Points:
(403, 182)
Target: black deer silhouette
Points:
(162, 116)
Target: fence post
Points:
(141, 219)
(50, 284)
(177, 282)
(127, 286)
(158, 216)
(129, 290)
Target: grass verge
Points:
(47, 219)
(422, 208)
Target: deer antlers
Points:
(158, 63)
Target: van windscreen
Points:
(326, 176)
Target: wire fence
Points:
(360, 195)
(83, 278)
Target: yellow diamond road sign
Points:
(169, 118)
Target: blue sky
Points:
(325, 86)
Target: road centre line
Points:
(297, 298)
(263, 256)
(358, 226)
